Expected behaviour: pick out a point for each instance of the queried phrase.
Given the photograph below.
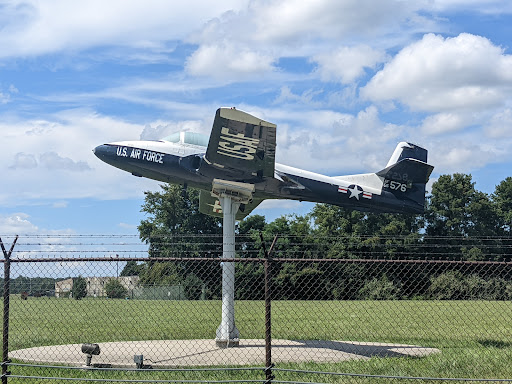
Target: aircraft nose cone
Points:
(101, 151)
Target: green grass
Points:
(475, 337)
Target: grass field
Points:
(475, 337)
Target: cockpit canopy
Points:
(186, 137)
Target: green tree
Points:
(174, 211)
(251, 224)
(456, 208)
(171, 230)
(248, 239)
(79, 290)
(132, 269)
(115, 290)
(332, 220)
(194, 287)
(456, 211)
(502, 198)
(357, 234)
(338, 221)
(160, 273)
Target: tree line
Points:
(34, 286)
(460, 223)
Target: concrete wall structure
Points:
(63, 288)
(95, 285)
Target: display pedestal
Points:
(230, 195)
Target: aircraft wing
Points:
(242, 147)
(210, 205)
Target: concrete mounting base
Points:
(227, 343)
(179, 353)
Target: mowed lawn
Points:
(475, 337)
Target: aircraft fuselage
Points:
(185, 164)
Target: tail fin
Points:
(408, 163)
(407, 151)
(407, 173)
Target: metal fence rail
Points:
(308, 310)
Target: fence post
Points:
(7, 283)
(268, 312)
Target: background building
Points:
(96, 285)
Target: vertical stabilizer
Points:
(406, 150)
(407, 174)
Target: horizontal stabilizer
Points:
(407, 170)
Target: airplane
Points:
(241, 149)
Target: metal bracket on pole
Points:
(7, 255)
(230, 194)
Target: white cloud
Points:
(228, 61)
(128, 226)
(16, 223)
(164, 129)
(287, 21)
(237, 37)
(34, 27)
(44, 241)
(252, 39)
(47, 158)
(483, 6)
(444, 122)
(347, 64)
(4, 98)
(465, 82)
(499, 126)
(307, 97)
(435, 74)
(463, 156)
(53, 161)
(60, 204)
(460, 82)
(336, 143)
(23, 161)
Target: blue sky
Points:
(343, 80)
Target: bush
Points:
(455, 286)
(493, 289)
(193, 287)
(115, 290)
(448, 286)
(79, 290)
(379, 289)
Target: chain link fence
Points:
(308, 309)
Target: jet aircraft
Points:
(241, 148)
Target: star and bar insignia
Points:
(355, 191)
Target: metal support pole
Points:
(227, 334)
(7, 281)
(268, 310)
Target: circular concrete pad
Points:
(174, 353)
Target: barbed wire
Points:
(267, 234)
